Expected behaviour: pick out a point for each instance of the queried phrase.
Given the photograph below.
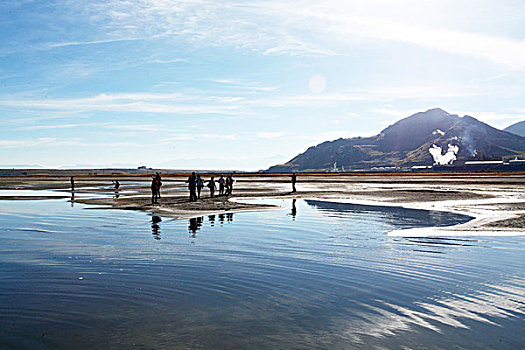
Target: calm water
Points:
(313, 275)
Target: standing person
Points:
(200, 185)
(294, 180)
(72, 180)
(159, 183)
(192, 186)
(154, 190)
(221, 185)
(229, 184)
(212, 187)
(116, 184)
(227, 190)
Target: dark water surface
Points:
(313, 275)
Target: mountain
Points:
(517, 128)
(424, 138)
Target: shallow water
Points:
(312, 275)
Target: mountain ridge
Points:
(408, 142)
(517, 128)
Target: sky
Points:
(198, 84)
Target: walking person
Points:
(211, 185)
(294, 180)
(221, 185)
(192, 186)
(154, 190)
(200, 185)
(116, 184)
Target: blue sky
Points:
(225, 84)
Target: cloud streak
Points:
(305, 28)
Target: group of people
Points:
(196, 184)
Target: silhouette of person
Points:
(294, 180)
(200, 185)
(211, 219)
(154, 190)
(72, 180)
(221, 185)
(72, 199)
(192, 186)
(294, 209)
(229, 184)
(159, 183)
(116, 184)
(212, 187)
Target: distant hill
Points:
(424, 138)
(517, 128)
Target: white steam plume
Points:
(442, 159)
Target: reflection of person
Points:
(212, 187)
(294, 180)
(155, 227)
(294, 209)
(195, 225)
(72, 180)
(192, 187)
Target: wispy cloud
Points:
(304, 28)
(244, 85)
(61, 126)
(139, 102)
(93, 42)
(244, 103)
(269, 134)
(26, 143)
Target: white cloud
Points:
(26, 143)
(196, 136)
(269, 134)
(139, 102)
(93, 42)
(313, 28)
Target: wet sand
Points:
(497, 202)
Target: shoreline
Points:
(497, 203)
